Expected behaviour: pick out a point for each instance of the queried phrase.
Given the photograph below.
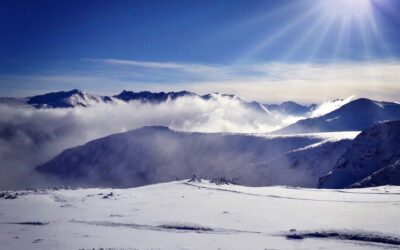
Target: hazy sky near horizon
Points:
(271, 50)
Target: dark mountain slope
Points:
(157, 154)
(372, 150)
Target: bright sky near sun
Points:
(270, 50)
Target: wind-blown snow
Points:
(201, 215)
(330, 106)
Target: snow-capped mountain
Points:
(158, 154)
(356, 115)
(73, 98)
(291, 108)
(61, 99)
(78, 98)
(373, 158)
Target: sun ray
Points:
(271, 13)
(310, 31)
(243, 25)
(270, 40)
(365, 41)
(339, 42)
(377, 34)
(321, 38)
(366, 53)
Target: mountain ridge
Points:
(155, 154)
(78, 98)
(291, 108)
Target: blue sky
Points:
(250, 48)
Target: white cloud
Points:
(265, 82)
(188, 67)
(312, 83)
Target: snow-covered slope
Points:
(371, 151)
(157, 154)
(356, 115)
(201, 215)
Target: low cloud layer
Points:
(32, 136)
(29, 137)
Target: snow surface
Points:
(199, 215)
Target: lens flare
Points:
(347, 8)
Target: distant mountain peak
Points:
(76, 91)
(290, 103)
(291, 108)
(154, 127)
(214, 95)
(356, 115)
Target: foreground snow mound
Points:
(157, 154)
(374, 155)
(201, 215)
